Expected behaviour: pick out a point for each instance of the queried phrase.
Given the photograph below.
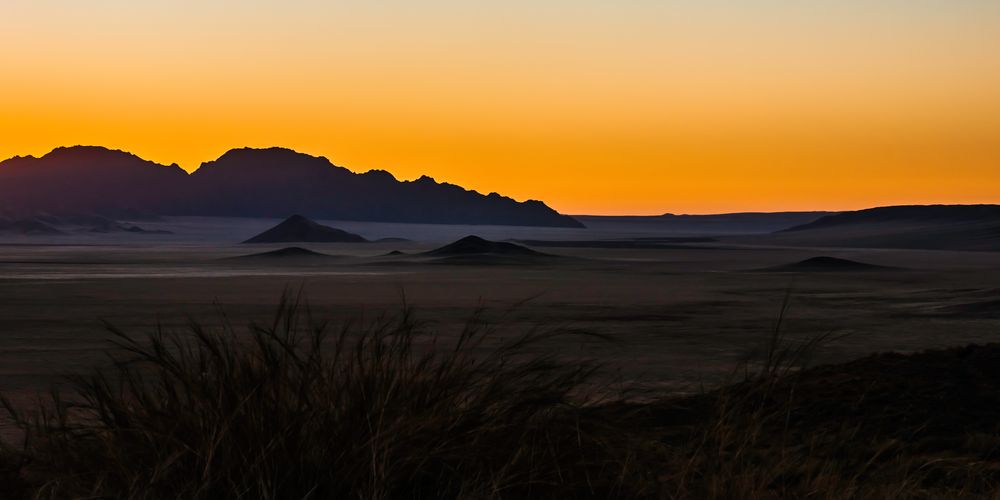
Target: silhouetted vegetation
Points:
(298, 408)
(292, 409)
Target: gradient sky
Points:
(615, 107)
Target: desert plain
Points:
(678, 310)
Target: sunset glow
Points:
(633, 107)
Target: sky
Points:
(595, 107)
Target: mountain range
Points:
(248, 182)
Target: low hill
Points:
(474, 245)
(933, 227)
(920, 214)
(302, 230)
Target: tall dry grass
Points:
(297, 409)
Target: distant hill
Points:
(298, 229)
(94, 224)
(934, 227)
(711, 224)
(919, 214)
(248, 182)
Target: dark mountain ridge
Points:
(248, 182)
(87, 179)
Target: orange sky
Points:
(633, 107)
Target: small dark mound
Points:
(300, 229)
(289, 253)
(474, 245)
(394, 253)
(826, 264)
(392, 240)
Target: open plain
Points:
(680, 311)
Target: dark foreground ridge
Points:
(827, 264)
(293, 408)
(298, 229)
(890, 425)
(248, 182)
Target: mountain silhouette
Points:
(298, 229)
(248, 182)
(88, 179)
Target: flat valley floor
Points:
(678, 316)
